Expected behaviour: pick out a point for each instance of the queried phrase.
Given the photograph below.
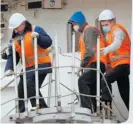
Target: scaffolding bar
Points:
(36, 73)
(98, 74)
(57, 73)
(24, 75)
(73, 74)
(15, 71)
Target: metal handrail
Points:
(57, 68)
(7, 101)
(62, 97)
(39, 69)
(61, 67)
(42, 69)
(2, 88)
(24, 74)
(94, 96)
(73, 74)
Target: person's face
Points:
(75, 26)
(20, 29)
(106, 25)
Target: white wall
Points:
(52, 20)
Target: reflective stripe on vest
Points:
(39, 56)
(119, 57)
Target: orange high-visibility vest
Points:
(43, 56)
(122, 55)
(82, 48)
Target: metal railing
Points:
(57, 96)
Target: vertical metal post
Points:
(69, 37)
(24, 75)
(98, 74)
(54, 63)
(73, 74)
(55, 87)
(54, 54)
(131, 74)
(49, 89)
(15, 70)
(36, 73)
(50, 79)
(57, 73)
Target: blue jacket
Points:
(44, 41)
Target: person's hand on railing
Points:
(9, 73)
(34, 34)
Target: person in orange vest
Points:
(118, 51)
(87, 46)
(22, 27)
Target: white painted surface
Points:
(52, 20)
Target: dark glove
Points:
(4, 55)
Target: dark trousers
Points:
(87, 85)
(121, 75)
(31, 92)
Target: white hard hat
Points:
(15, 20)
(106, 15)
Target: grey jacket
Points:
(90, 40)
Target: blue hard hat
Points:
(78, 17)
